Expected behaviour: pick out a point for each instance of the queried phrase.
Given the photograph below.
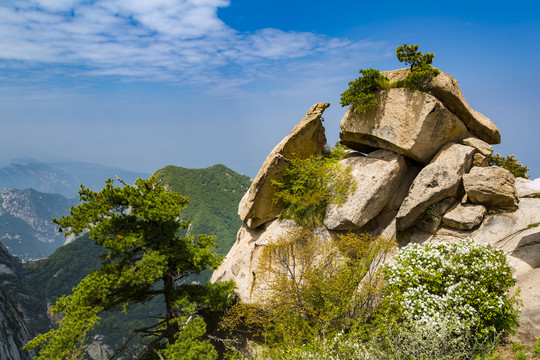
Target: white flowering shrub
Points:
(466, 282)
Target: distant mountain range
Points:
(25, 222)
(60, 177)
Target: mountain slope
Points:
(25, 222)
(14, 317)
(214, 195)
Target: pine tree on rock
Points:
(140, 228)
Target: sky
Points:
(141, 84)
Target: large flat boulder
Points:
(492, 186)
(376, 179)
(305, 140)
(440, 179)
(464, 216)
(445, 88)
(408, 122)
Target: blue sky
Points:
(141, 84)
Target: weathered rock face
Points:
(408, 122)
(518, 234)
(430, 224)
(306, 139)
(376, 178)
(526, 188)
(464, 216)
(445, 88)
(241, 262)
(13, 331)
(483, 151)
(437, 181)
(492, 186)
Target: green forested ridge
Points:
(214, 195)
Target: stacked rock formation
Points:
(419, 161)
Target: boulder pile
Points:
(419, 161)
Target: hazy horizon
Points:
(144, 84)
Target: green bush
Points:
(420, 64)
(511, 164)
(361, 92)
(307, 186)
(536, 348)
(464, 281)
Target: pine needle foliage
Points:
(511, 164)
(138, 226)
(420, 64)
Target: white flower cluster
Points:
(465, 281)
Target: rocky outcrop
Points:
(445, 88)
(527, 188)
(492, 186)
(518, 234)
(464, 216)
(13, 332)
(306, 139)
(431, 221)
(241, 262)
(437, 181)
(408, 122)
(483, 151)
(376, 178)
(425, 178)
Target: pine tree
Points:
(147, 255)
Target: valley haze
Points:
(143, 84)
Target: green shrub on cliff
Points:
(307, 186)
(420, 64)
(361, 91)
(511, 164)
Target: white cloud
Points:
(164, 40)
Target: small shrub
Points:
(361, 91)
(411, 339)
(511, 164)
(430, 214)
(307, 186)
(465, 281)
(420, 64)
(309, 290)
(536, 348)
(517, 346)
